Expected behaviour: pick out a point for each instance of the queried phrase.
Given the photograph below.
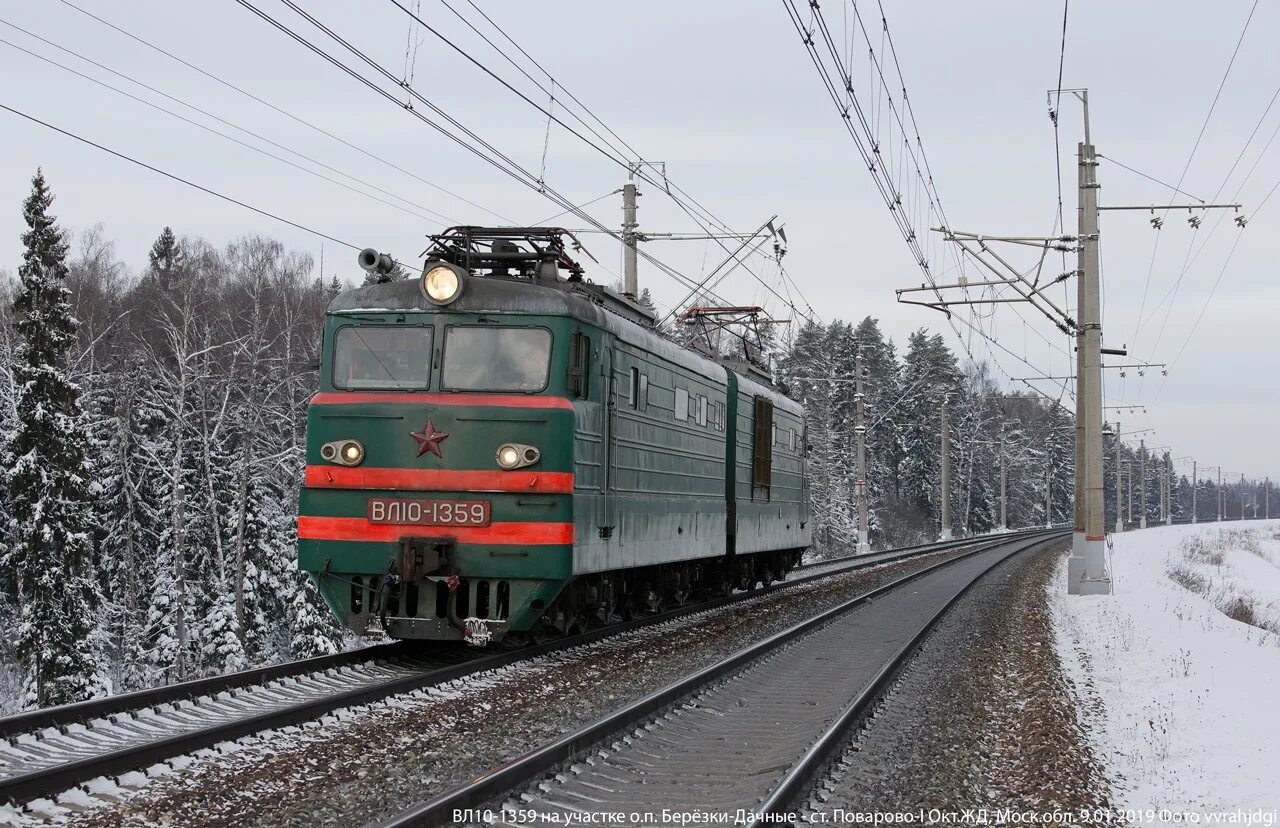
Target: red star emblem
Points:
(429, 439)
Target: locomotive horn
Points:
(375, 262)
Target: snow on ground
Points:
(1177, 696)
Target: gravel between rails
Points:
(982, 717)
(372, 762)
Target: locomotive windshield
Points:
(382, 357)
(496, 359)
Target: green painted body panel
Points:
(653, 484)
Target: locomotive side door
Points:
(609, 399)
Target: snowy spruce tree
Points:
(49, 482)
(314, 630)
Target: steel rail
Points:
(526, 768)
(56, 778)
(800, 777)
(64, 715)
(61, 716)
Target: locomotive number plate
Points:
(429, 512)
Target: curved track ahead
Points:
(45, 752)
(732, 738)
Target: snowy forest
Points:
(153, 424)
(152, 418)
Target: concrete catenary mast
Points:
(860, 431)
(946, 471)
(1087, 568)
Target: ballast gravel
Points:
(981, 718)
(369, 763)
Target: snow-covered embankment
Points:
(1178, 672)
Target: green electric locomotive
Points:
(500, 446)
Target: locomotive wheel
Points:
(541, 632)
(652, 600)
(714, 582)
(606, 611)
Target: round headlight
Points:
(351, 453)
(441, 284)
(508, 456)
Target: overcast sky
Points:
(724, 94)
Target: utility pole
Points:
(860, 429)
(1266, 499)
(1161, 489)
(1119, 482)
(1124, 504)
(1142, 485)
(1160, 493)
(1048, 490)
(1217, 494)
(1168, 492)
(1087, 569)
(1242, 485)
(1004, 485)
(630, 277)
(1195, 484)
(946, 471)
(1130, 498)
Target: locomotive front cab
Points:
(438, 497)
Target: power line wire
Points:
(1221, 217)
(864, 131)
(636, 167)
(433, 216)
(1190, 157)
(1172, 294)
(279, 110)
(484, 150)
(1209, 299)
(1150, 178)
(179, 179)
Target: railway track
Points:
(731, 738)
(44, 753)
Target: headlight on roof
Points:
(442, 283)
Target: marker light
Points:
(508, 457)
(514, 456)
(442, 283)
(343, 452)
(351, 453)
